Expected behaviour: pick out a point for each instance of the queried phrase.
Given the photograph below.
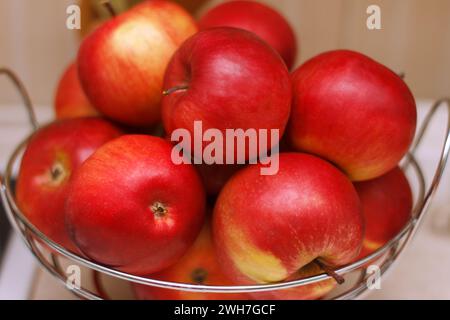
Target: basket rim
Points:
(10, 202)
(27, 229)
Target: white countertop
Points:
(18, 265)
(422, 272)
(14, 127)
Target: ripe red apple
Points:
(215, 176)
(122, 63)
(197, 266)
(52, 156)
(256, 17)
(130, 207)
(226, 78)
(70, 100)
(307, 292)
(267, 228)
(352, 111)
(387, 205)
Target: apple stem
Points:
(24, 93)
(174, 89)
(329, 271)
(402, 75)
(110, 8)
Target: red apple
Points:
(122, 63)
(130, 207)
(70, 100)
(197, 266)
(52, 156)
(352, 111)
(307, 292)
(387, 205)
(267, 228)
(215, 176)
(256, 17)
(226, 78)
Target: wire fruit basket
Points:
(52, 257)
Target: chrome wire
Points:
(394, 247)
(23, 93)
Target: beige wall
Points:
(415, 39)
(35, 42)
(415, 35)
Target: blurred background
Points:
(415, 37)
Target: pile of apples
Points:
(100, 181)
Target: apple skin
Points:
(258, 18)
(70, 99)
(266, 228)
(52, 156)
(352, 111)
(215, 176)
(387, 206)
(235, 80)
(307, 292)
(122, 63)
(131, 208)
(198, 266)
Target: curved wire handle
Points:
(24, 94)
(443, 157)
(14, 78)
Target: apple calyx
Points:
(158, 209)
(330, 272)
(109, 7)
(199, 275)
(57, 173)
(175, 89)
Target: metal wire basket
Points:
(52, 256)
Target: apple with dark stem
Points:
(51, 158)
(352, 111)
(312, 291)
(131, 208)
(122, 63)
(256, 17)
(267, 228)
(226, 78)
